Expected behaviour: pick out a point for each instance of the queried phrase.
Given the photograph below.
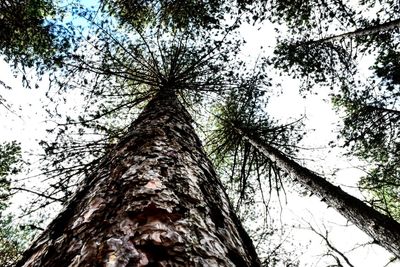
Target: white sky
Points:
(29, 125)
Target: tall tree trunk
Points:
(369, 30)
(383, 229)
(155, 200)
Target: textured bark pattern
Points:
(383, 229)
(155, 201)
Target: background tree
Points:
(243, 125)
(328, 43)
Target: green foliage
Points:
(382, 184)
(178, 15)
(303, 16)
(13, 241)
(10, 155)
(387, 66)
(371, 130)
(314, 63)
(24, 33)
(327, 41)
(10, 248)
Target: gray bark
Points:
(155, 200)
(374, 29)
(384, 230)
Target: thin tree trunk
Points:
(374, 29)
(155, 200)
(383, 229)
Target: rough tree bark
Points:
(154, 201)
(383, 229)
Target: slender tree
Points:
(239, 126)
(383, 229)
(330, 51)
